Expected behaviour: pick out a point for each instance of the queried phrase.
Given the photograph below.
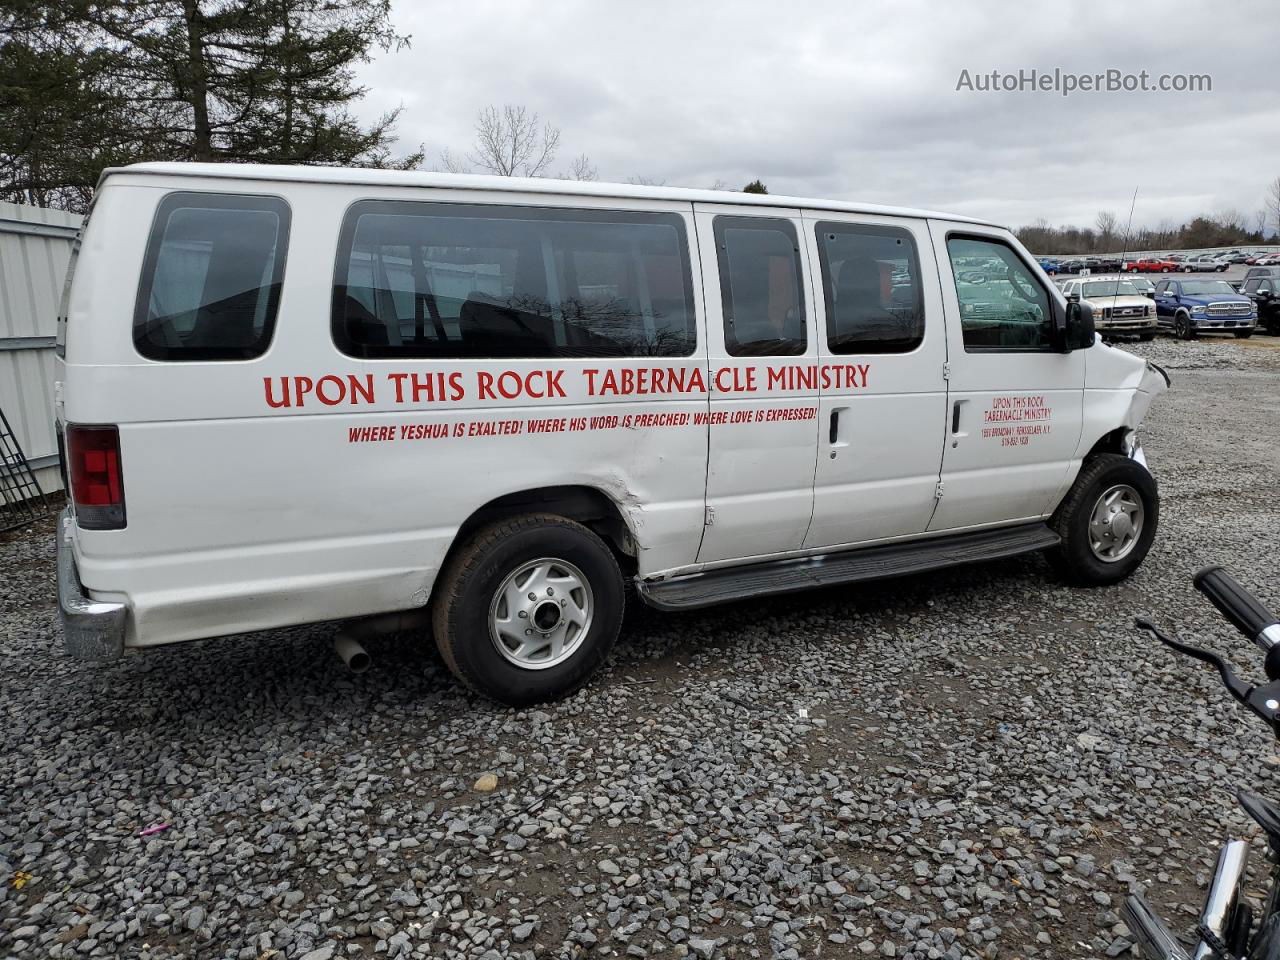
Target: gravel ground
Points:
(975, 763)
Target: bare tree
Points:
(1260, 222)
(1105, 222)
(513, 142)
(450, 162)
(1273, 203)
(640, 181)
(581, 169)
(1231, 218)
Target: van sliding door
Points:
(763, 388)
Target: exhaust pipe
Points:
(352, 652)
(347, 645)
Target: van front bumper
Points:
(91, 629)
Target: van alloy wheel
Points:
(1116, 523)
(541, 613)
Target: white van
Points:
(291, 395)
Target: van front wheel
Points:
(1107, 521)
(528, 608)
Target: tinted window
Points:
(1002, 306)
(453, 280)
(760, 286)
(211, 277)
(1251, 286)
(871, 283)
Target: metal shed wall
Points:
(35, 245)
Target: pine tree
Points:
(755, 186)
(267, 81)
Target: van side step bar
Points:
(851, 566)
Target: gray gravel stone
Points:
(976, 771)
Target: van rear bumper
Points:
(91, 629)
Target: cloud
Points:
(858, 100)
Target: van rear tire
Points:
(1090, 524)
(528, 609)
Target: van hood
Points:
(1112, 368)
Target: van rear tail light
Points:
(97, 483)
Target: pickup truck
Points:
(1149, 265)
(1264, 291)
(1194, 306)
(1205, 263)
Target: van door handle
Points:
(955, 417)
(835, 426)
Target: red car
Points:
(1150, 265)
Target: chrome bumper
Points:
(91, 629)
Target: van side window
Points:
(211, 276)
(1002, 305)
(871, 283)
(761, 287)
(441, 280)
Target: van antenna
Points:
(1124, 252)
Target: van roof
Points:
(464, 181)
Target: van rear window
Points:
(440, 280)
(211, 277)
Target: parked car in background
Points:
(1254, 257)
(1150, 265)
(1072, 265)
(1176, 257)
(1194, 306)
(1234, 256)
(1118, 307)
(1106, 264)
(1050, 265)
(1265, 294)
(1205, 263)
(1270, 260)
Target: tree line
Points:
(1227, 229)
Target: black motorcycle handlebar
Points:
(1237, 604)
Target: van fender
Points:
(1119, 390)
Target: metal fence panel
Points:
(35, 245)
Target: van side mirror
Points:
(1077, 330)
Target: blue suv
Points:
(1193, 306)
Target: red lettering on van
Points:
(339, 389)
(284, 392)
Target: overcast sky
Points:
(855, 99)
